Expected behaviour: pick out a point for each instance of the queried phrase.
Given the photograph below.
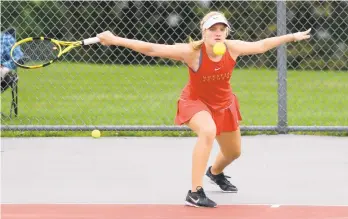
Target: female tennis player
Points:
(207, 104)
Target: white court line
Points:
(275, 206)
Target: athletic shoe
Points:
(199, 199)
(222, 181)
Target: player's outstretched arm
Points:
(176, 52)
(262, 46)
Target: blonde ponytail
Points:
(196, 45)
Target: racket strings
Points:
(38, 52)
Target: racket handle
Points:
(92, 40)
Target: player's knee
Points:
(232, 155)
(236, 154)
(208, 133)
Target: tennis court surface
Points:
(280, 176)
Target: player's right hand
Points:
(107, 38)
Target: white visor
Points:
(215, 20)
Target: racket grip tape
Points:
(92, 40)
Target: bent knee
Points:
(232, 155)
(208, 132)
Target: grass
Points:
(92, 94)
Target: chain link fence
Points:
(298, 86)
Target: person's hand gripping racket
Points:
(107, 38)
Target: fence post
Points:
(281, 68)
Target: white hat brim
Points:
(217, 19)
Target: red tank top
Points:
(211, 82)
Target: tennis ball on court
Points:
(95, 133)
(219, 48)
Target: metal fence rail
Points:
(55, 99)
(170, 128)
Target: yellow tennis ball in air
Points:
(95, 133)
(219, 48)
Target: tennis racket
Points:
(40, 52)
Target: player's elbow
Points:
(153, 50)
(151, 53)
(266, 45)
(260, 47)
(253, 48)
(162, 52)
(147, 52)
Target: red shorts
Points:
(226, 120)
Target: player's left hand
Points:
(302, 35)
